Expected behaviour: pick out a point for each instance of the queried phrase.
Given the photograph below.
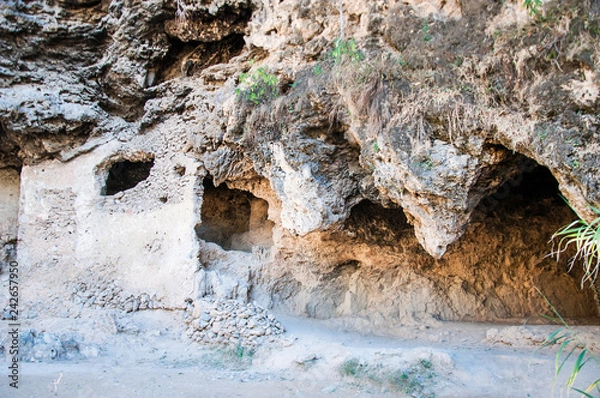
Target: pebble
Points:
(205, 317)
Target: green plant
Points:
(257, 87)
(533, 6)
(345, 50)
(573, 141)
(400, 61)
(412, 380)
(425, 163)
(426, 36)
(236, 357)
(569, 345)
(586, 238)
(375, 147)
(351, 367)
(318, 70)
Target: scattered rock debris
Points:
(231, 322)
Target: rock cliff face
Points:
(381, 162)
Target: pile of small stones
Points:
(229, 322)
(106, 294)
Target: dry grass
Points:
(363, 90)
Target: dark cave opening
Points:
(376, 224)
(190, 58)
(234, 219)
(126, 174)
(508, 246)
(534, 190)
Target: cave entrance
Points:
(535, 189)
(512, 248)
(376, 224)
(9, 212)
(234, 219)
(126, 174)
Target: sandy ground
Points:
(152, 357)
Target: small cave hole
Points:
(376, 224)
(190, 58)
(126, 174)
(234, 219)
(534, 191)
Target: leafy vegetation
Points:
(425, 29)
(344, 50)
(412, 380)
(586, 239)
(533, 6)
(351, 367)
(257, 87)
(571, 345)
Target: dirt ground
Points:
(152, 357)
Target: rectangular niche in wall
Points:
(234, 219)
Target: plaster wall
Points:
(141, 239)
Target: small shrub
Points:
(414, 380)
(350, 367)
(345, 51)
(257, 87)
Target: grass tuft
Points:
(413, 380)
(570, 345)
(237, 357)
(586, 239)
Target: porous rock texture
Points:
(411, 178)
